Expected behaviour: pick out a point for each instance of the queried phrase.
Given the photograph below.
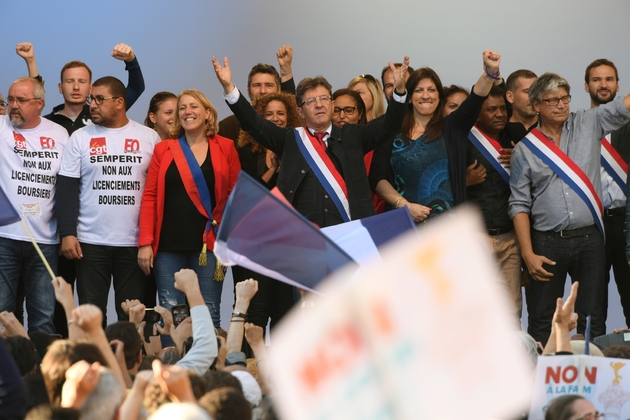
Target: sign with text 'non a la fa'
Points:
(424, 334)
(603, 381)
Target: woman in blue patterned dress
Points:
(424, 168)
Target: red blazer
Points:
(226, 167)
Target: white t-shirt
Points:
(29, 162)
(112, 164)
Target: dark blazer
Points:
(346, 145)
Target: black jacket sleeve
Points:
(13, 398)
(135, 87)
(67, 205)
(288, 86)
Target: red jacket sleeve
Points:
(148, 208)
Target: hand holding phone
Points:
(180, 313)
(150, 317)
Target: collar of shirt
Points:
(328, 131)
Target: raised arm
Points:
(27, 52)
(263, 131)
(245, 291)
(491, 73)
(285, 57)
(135, 86)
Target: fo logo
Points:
(98, 146)
(47, 142)
(20, 141)
(132, 146)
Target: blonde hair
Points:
(212, 124)
(375, 88)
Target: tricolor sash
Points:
(194, 182)
(613, 163)
(325, 171)
(567, 170)
(490, 149)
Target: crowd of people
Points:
(112, 201)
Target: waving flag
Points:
(260, 232)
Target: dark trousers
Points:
(616, 257)
(67, 270)
(583, 258)
(96, 269)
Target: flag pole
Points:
(39, 251)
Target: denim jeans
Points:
(581, 257)
(166, 264)
(95, 271)
(19, 258)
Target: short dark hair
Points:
(115, 86)
(597, 63)
(265, 69)
(47, 412)
(453, 89)
(221, 379)
(74, 64)
(617, 352)
(23, 352)
(357, 99)
(510, 83)
(126, 332)
(310, 83)
(497, 91)
(226, 404)
(410, 70)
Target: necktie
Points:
(320, 138)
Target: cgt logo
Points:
(132, 146)
(98, 146)
(20, 141)
(47, 142)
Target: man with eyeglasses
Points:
(555, 188)
(30, 158)
(263, 79)
(100, 188)
(322, 173)
(601, 82)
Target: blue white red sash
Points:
(567, 170)
(324, 170)
(490, 149)
(613, 163)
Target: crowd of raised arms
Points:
(110, 200)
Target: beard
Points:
(601, 101)
(17, 119)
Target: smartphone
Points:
(180, 313)
(150, 318)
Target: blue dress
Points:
(421, 172)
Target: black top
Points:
(183, 226)
(515, 131)
(255, 164)
(620, 140)
(492, 195)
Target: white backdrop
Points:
(175, 40)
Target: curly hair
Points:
(293, 118)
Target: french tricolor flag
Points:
(262, 232)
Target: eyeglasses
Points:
(324, 99)
(368, 77)
(593, 416)
(3, 104)
(99, 99)
(348, 110)
(554, 101)
(20, 101)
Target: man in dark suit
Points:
(322, 173)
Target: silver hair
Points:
(530, 346)
(38, 88)
(546, 82)
(103, 402)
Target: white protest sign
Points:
(603, 381)
(423, 335)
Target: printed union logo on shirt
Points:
(47, 142)
(98, 146)
(132, 146)
(20, 141)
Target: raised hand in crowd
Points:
(245, 291)
(27, 52)
(174, 382)
(118, 347)
(399, 74)
(181, 333)
(224, 74)
(65, 297)
(256, 340)
(81, 379)
(123, 52)
(167, 317)
(285, 57)
(11, 327)
(130, 408)
(564, 320)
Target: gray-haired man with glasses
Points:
(31, 150)
(554, 204)
(322, 173)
